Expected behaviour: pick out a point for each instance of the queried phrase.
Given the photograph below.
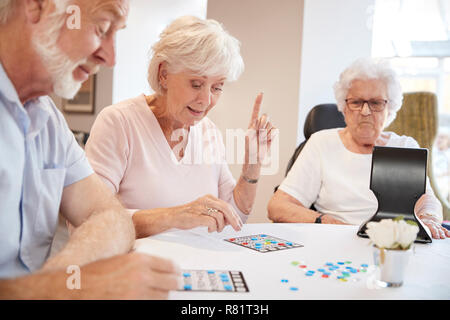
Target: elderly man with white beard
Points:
(43, 171)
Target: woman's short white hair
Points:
(369, 68)
(196, 45)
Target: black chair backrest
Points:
(398, 180)
(322, 116)
(81, 137)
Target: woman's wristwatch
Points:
(319, 218)
(252, 181)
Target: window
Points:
(415, 36)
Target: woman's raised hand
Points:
(260, 135)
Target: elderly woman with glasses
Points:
(333, 170)
(162, 155)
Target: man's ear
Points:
(35, 9)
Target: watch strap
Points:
(319, 218)
(251, 181)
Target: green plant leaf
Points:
(413, 223)
(398, 218)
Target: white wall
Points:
(335, 32)
(270, 34)
(286, 45)
(128, 78)
(145, 22)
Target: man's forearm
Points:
(102, 235)
(49, 285)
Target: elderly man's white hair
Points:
(196, 45)
(368, 68)
(7, 8)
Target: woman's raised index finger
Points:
(256, 108)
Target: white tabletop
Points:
(427, 276)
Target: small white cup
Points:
(391, 266)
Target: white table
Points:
(427, 277)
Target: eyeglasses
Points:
(375, 105)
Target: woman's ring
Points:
(211, 211)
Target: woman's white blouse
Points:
(337, 180)
(128, 150)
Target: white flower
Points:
(406, 233)
(392, 234)
(382, 233)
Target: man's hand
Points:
(128, 276)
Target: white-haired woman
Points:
(162, 155)
(333, 170)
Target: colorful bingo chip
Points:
(213, 280)
(264, 243)
(339, 271)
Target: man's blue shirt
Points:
(39, 156)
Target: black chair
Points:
(398, 180)
(322, 116)
(81, 137)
